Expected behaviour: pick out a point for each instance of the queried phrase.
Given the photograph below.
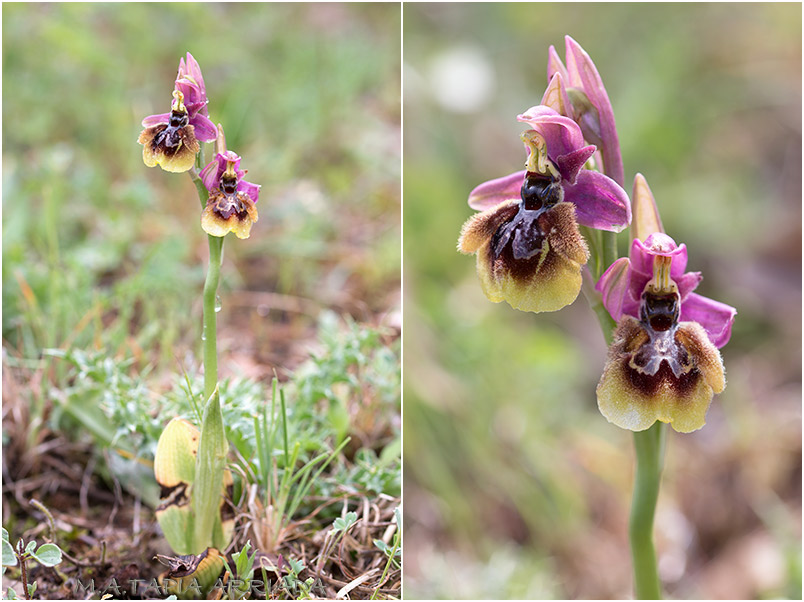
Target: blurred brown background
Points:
(515, 485)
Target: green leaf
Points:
(242, 564)
(30, 547)
(11, 594)
(382, 545)
(9, 557)
(296, 566)
(174, 469)
(209, 469)
(48, 554)
(342, 524)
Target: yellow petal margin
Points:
(634, 401)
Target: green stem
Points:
(210, 335)
(212, 446)
(649, 446)
(609, 240)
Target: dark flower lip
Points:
(669, 376)
(226, 213)
(173, 148)
(531, 259)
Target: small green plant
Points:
(191, 500)
(48, 554)
(294, 586)
(392, 552)
(339, 528)
(239, 583)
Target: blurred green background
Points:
(515, 485)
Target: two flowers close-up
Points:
(171, 141)
(663, 362)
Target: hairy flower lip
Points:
(531, 259)
(172, 148)
(670, 376)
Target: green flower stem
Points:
(210, 336)
(212, 446)
(649, 447)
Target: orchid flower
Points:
(529, 249)
(232, 200)
(171, 140)
(663, 363)
(624, 281)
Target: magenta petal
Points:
(687, 283)
(658, 243)
(195, 107)
(599, 202)
(234, 158)
(252, 190)
(194, 70)
(716, 317)
(554, 65)
(209, 175)
(561, 134)
(613, 287)
(205, 130)
(156, 119)
(569, 165)
(583, 74)
(191, 83)
(492, 193)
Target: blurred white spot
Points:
(461, 79)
